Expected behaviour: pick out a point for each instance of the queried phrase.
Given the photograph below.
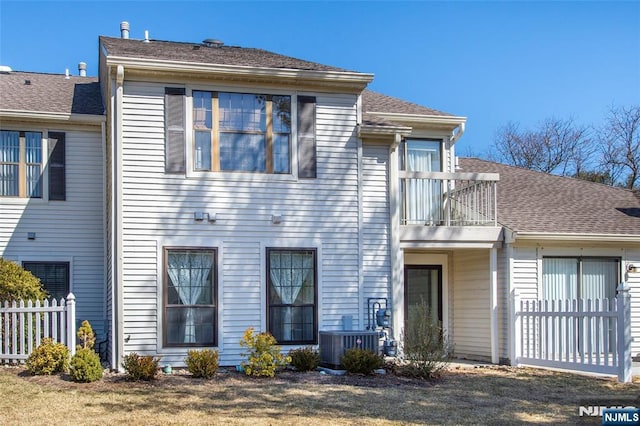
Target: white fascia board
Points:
(551, 236)
(52, 116)
(438, 120)
(382, 130)
(346, 77)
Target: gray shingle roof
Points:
(199, 53)
(530, 201)
(377, 102)
(50, 93)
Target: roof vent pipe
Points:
(66, 74)
(124, 29)
(146, 36)
(82, 69)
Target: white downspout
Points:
(117, 177)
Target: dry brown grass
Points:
(487, 395)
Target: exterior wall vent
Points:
(210, 42)
(333, 344)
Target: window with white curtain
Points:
(580, 277)
(422, 197)
(190, 309)
(292, 295)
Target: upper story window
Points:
(421, 155)
(20, 164)
(241, 132)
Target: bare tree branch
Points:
(619, 140)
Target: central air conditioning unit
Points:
(333, 344)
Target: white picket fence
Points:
(583, 335)
(23, 325)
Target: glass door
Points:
(423, 283)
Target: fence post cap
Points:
(71, 296)
(623, 287)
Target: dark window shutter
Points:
(56, 165)
(307, 164)
(174, 111)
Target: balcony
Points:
(448, 199)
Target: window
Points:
(422, 198)
(190, 309)
(20, 164)
(54, 277)
(241, 132)
(292, 295)
(580, 277)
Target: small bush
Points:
(361, 361)
(140, 367)
(202, 363)
(304, 359)
(425, 349)
(85, 366)
(86, 336)
(16, 283)
(263, 356)
(48, 358)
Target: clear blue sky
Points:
(492, 62)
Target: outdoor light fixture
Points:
(199, 216)
(276, 218)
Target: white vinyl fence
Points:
(583, 334)
(23, 325)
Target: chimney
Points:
(124, 29)
(82, 69)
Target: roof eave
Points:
(442, 121)
(578, 237)
(373, 130)
(352, 79)
(52, 116)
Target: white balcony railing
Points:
(448, 199)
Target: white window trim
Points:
(229, 175)
(543, 252)
(44, 199)
(47, 258)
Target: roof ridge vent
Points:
(212, 42)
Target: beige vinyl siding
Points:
(158, 209)
(633, 279)
(66, 231)
(471, 320)
(376, 265)
(525, 272)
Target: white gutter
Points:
(443, 120)
(458, 134)
(52, 116)
(552, 236)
